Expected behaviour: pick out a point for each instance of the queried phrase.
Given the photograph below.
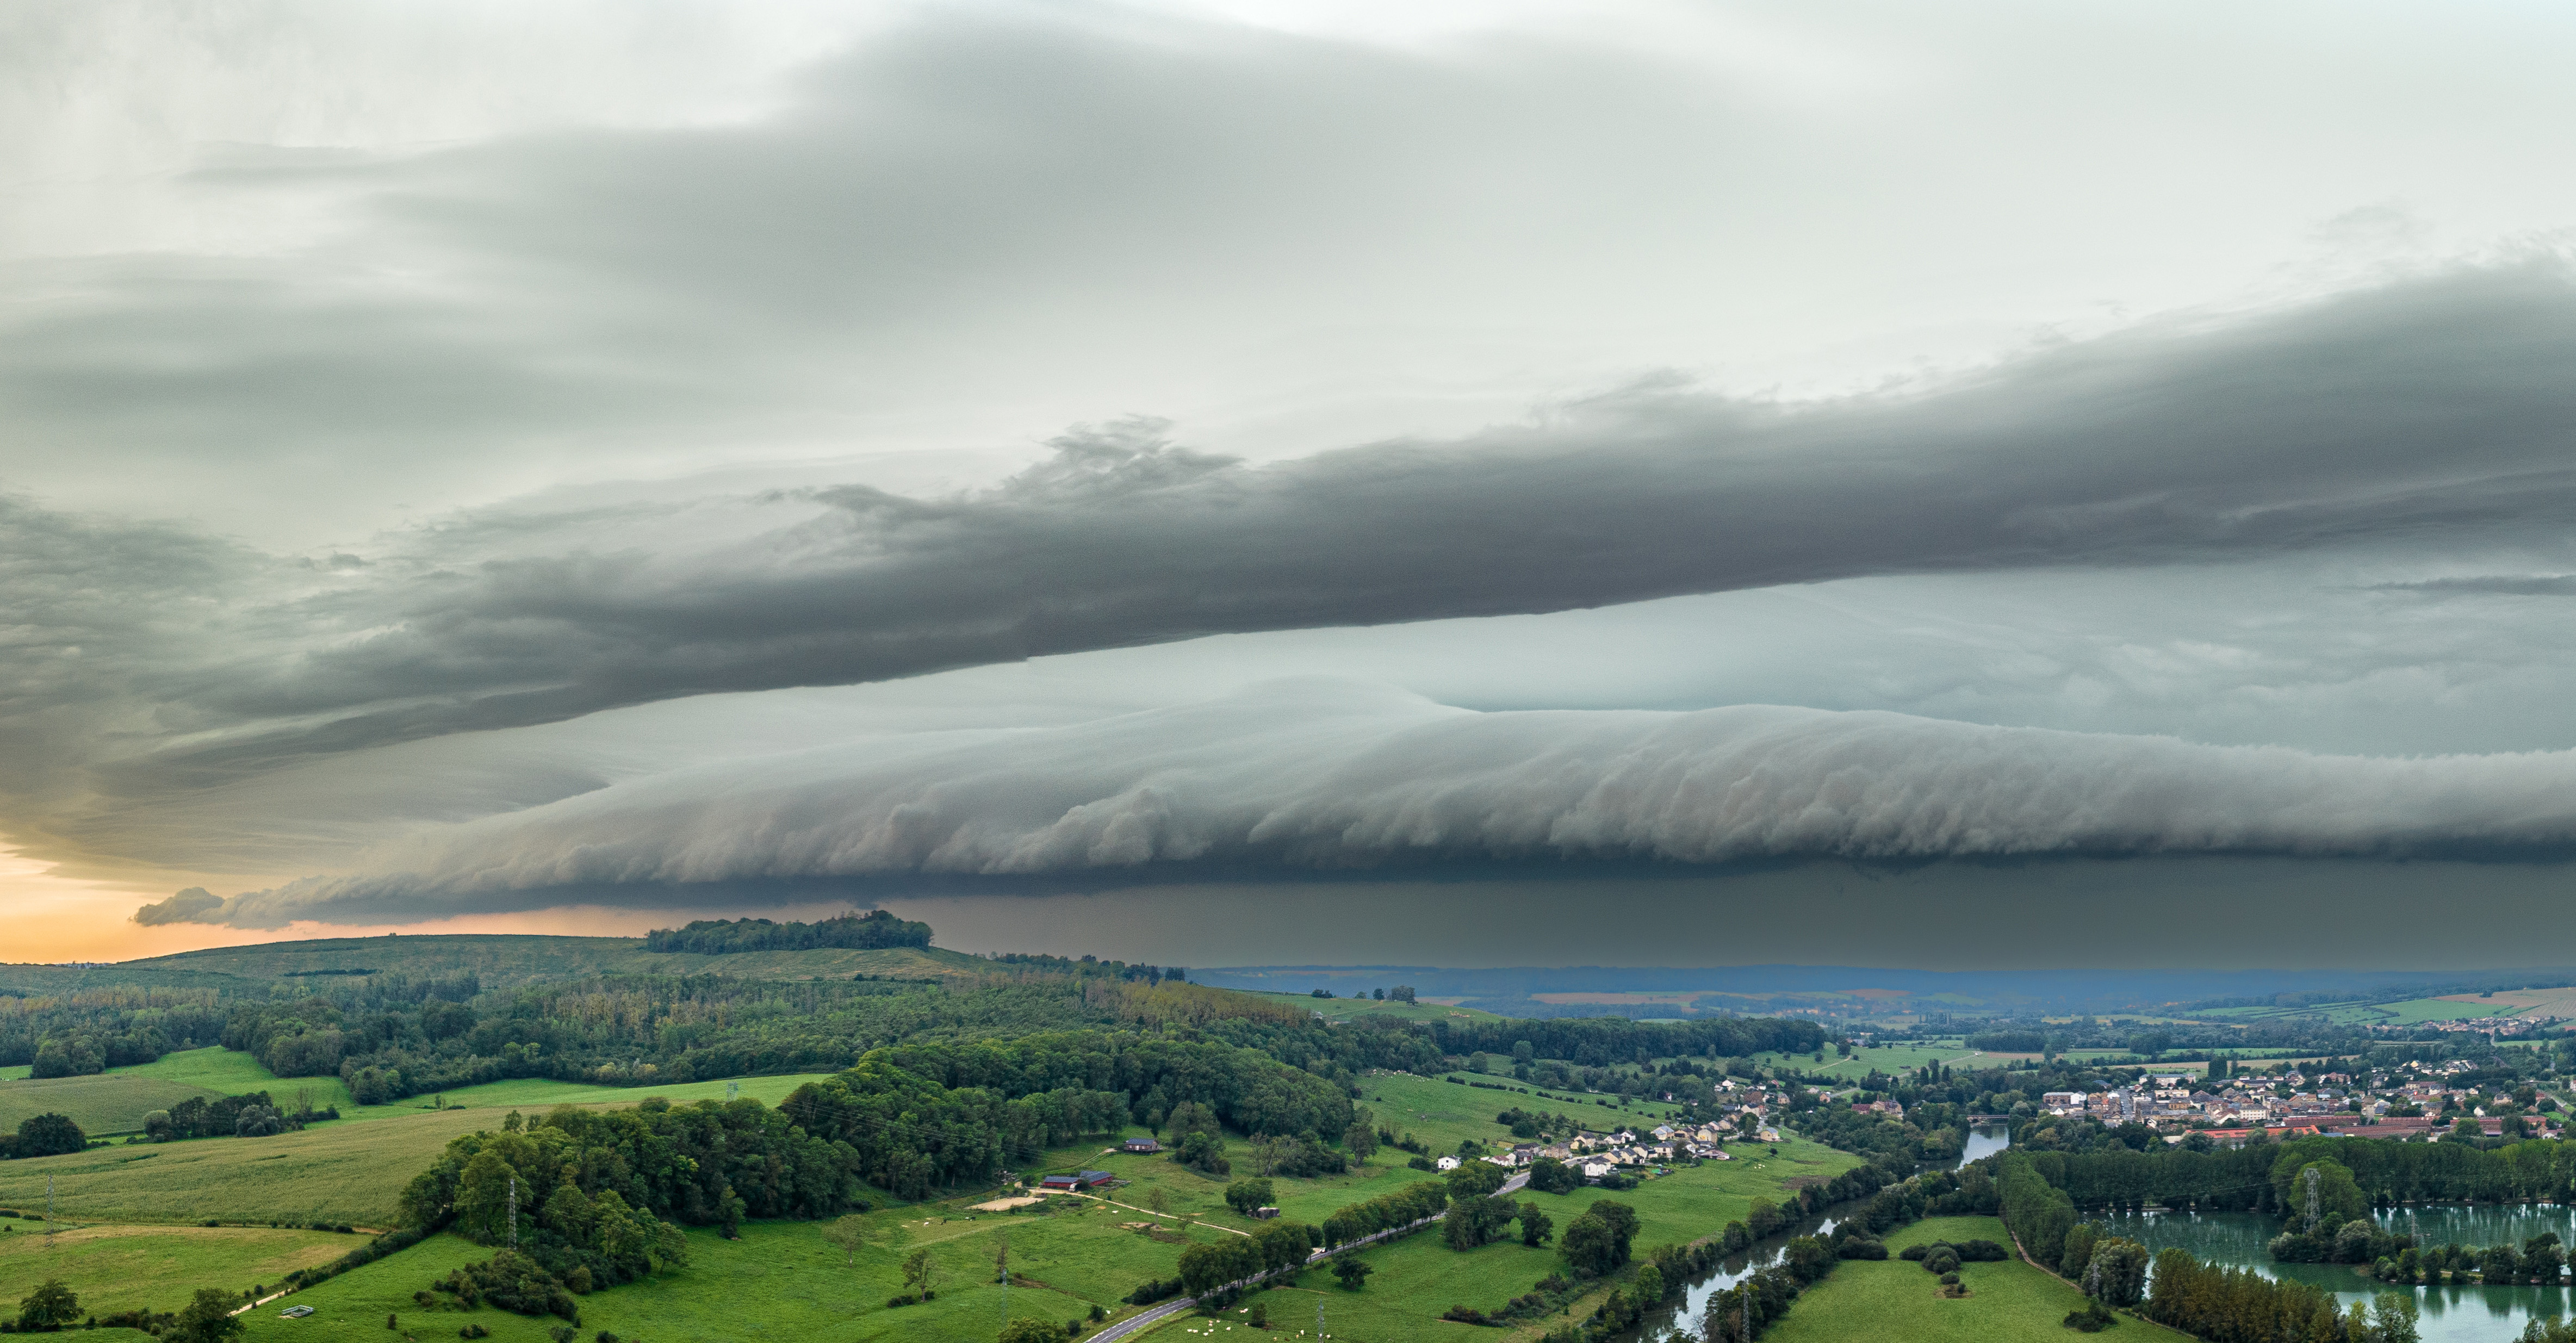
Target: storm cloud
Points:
(2437, 409)
(1331, 776)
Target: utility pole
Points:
(2311, 1174)
(49, 1207)
(514, 1212)
(732, 1089)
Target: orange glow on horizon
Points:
(51, 918)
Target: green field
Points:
(1442, 1113)
(1894, 1299)
(117, 1268)
(99, 1104)
(351, 1171)
(1348, 1009)
(1085, 1253)
(230, 1073)
(16, 1071)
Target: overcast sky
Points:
(1186, 476)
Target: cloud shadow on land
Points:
(2215, 913)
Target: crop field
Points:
(116, 1268)
(2006, 1303)
(99, 1104)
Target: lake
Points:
(2450, 1314)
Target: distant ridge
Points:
(500, 960)
(1518, 990)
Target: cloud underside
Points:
(2439, 409)
(1333, 777)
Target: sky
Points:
(1238, 483)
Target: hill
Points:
(99, 1104)
(507, 960)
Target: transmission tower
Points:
(514, 1212)
(2311, 1174)
(49, 1207)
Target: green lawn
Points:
(116, 1268)
(1895, 1299)
(99, 1104)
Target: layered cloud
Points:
(1326, 776)
(2439, 409)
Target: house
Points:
(1143, 1145)
(1594, 1170)
(1264, 1214)
(1446, 1163)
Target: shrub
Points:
(1913, 1253)
(1941, 1259)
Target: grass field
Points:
(99, 1104)
(1084, 1253)
(232, 1074)
(117, 1268)
(2006, 1302)
(16, 1071)
(1346, 1009)
(1442, 1113)
(351, 1171)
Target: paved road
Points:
(1137, 1324)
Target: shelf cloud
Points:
(2442, 406)
(1328, 776)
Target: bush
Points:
(1941, 1259)
(49, 1135)
(2093, 1319)
(1551, 1176)
(1913, 1254)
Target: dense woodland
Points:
(873, 930)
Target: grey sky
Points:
(416, 458)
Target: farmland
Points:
(99, 1104)
(1080, 1253)
(2006, 1303)
(117, 1268)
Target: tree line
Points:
(873, 930)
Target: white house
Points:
(1447, 1163)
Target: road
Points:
(1137, 1324)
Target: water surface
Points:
(2450, 1314)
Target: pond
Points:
(2450, 1314)
(1681, 1320)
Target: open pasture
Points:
(116, 1268)
(98, 1103)
(2007, 1302)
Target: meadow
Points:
(116, 1268)
(351, 1171)
(1443, 1113)
(99, 1104)
(2007, 1302)
(1079, 1253)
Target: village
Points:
(2412, 1101)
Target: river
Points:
(1681, 1320)
(2450, 1314)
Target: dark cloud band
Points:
(1328, 776)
